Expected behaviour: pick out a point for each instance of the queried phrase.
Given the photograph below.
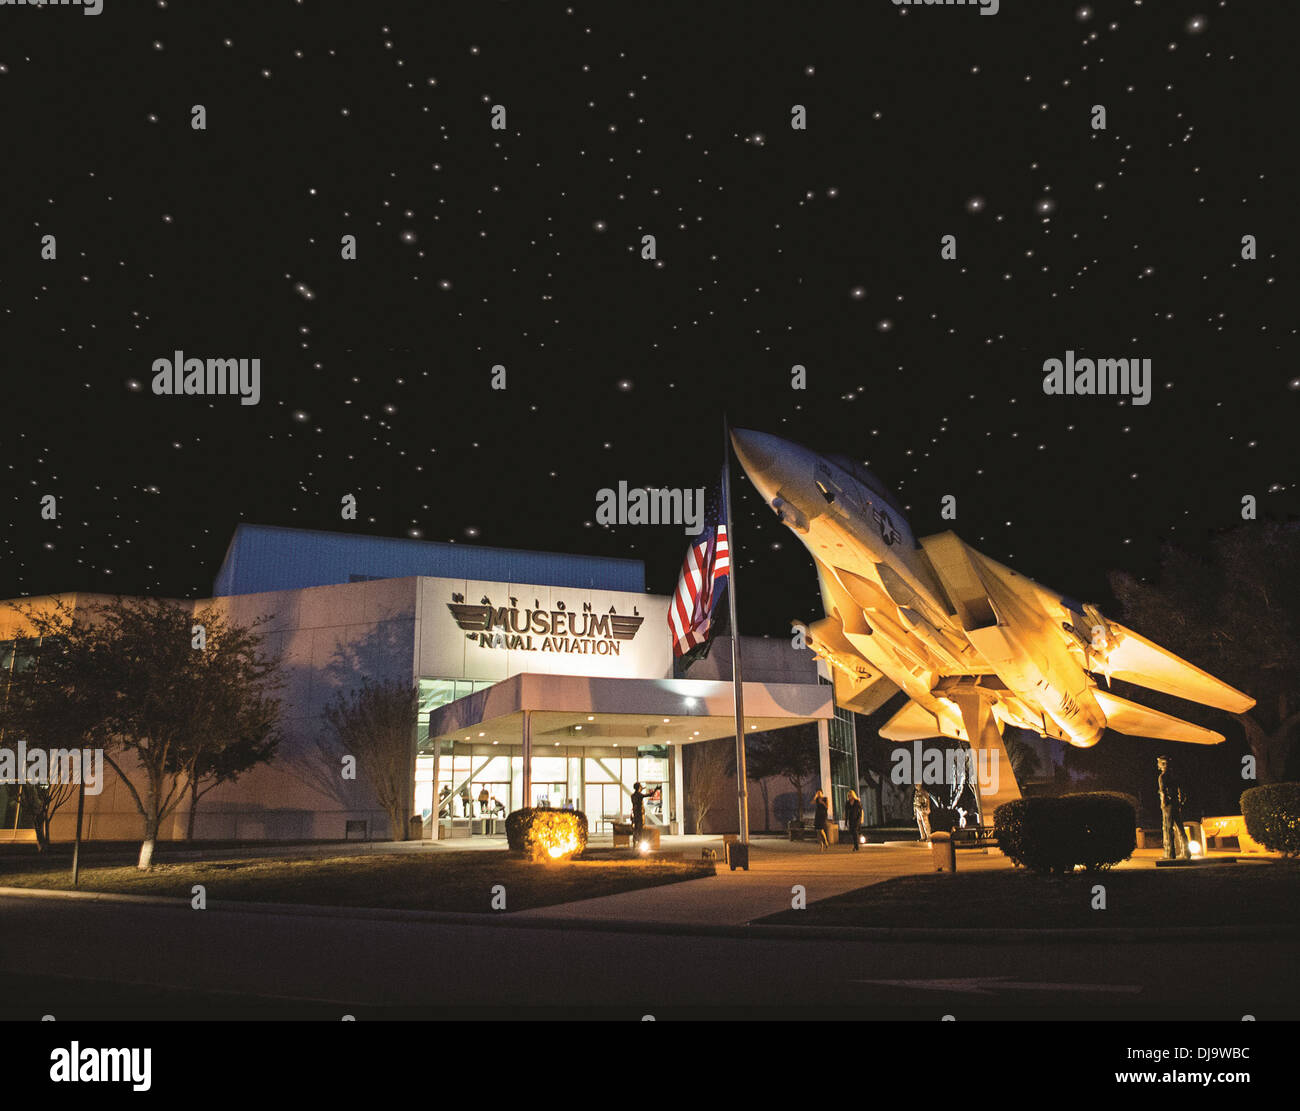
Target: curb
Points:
(527, 920)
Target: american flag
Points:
(703, 579)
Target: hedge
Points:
(1272, 814)
(1095, 829)
(538, 830)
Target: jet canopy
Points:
(870, 481)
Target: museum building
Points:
(544, 679)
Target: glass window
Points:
(652, 769)
(600, 770)
(843, 747)
(25, 653)
(550, 769)
(496, 769)
(435, 693)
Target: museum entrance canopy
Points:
(575, 710)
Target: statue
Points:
(1171, 813)
(921, 811)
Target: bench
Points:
(804, 830)
(979, 836)
(352, 826)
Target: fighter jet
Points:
(975, 645)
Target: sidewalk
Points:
(775, 867)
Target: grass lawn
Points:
(448, 881)
(1224, 895)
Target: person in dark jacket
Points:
(853, 813)
(821, 819)
(639, 795)
(1171, 812)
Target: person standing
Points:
(821, 818)
(853, 812)
(483, 799)
(639, 795)
(1171, 812)
(921, 810)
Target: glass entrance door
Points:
(604, 805)
(550, 794)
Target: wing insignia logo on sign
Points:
(545, 630)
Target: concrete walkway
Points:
(775, 868)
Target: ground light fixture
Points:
(644, 847)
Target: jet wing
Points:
(858, 685)
(912, 723)
(863, 696)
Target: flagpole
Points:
(737, 685)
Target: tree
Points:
(874, 763)
(36, 708)
(758, 767)
(793, 754)
(708, 767)
(245, 735)
(1024, 759)
(147, 693)
(376, 724)
(1235, 614)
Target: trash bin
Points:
(943, 852)
(737, 855)
(417, 828)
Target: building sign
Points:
(558, 629)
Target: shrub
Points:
(546, 834)
(1272, 814)
(1132, 800)
(1095, 829)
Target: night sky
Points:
(522, 247)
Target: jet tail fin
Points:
(1137, 660)
(1140, 721)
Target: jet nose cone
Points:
(781, 472)
(763, 456)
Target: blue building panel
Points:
(263, 558)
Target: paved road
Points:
(361, 963)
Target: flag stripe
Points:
(707, 562)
